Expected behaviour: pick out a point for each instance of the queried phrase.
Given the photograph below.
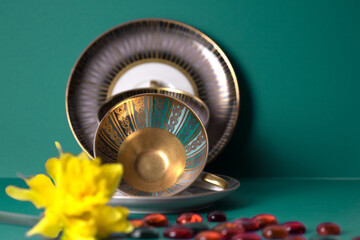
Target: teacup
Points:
(161, 142)
(193, 102)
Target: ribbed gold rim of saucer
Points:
(153, 40)
(192, 101)
(160, 141)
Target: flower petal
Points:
(112, 173)
(41, 192)
(48, 226)
(80, 228)
(17, 193)
(59, 148)
(53, 168)
(112, 219)
(76, 201)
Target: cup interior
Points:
(161, 142)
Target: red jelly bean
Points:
(275, 232)
(188, 218)
(295, 227)
(229, 233)
(178, 232)
(265, 219)
(356, 238)
(226, 225)
(295, 237)
(227, 229)
(246, 236)
(208, 235)
(216, 216)
(248, 224)
(137, 223)
(156, 220)
(328, 229)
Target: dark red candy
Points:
(246, 236)
(178, 232)
(216, 216)
(265, 219)
(248, 224)
(295, 227)
(188, 218)
(229, 233)
(295, 237)
(275, 232)
(156, 220)
(208, 235)
(356, 238)
(226, 225)
(228, 230)
(328, 229)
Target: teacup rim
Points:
(174, 90)
(174, 99)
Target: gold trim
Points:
(149, 60)
(229, 130)
(159, 91)
(215, 180)
(203, 129)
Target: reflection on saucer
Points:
(193, 198)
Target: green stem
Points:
(18, 219)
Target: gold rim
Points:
(215, 180)
(174, 99)
(229, 130)
(158, 91)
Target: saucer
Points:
(132, 54)
(192, 199)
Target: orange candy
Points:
(188, 218)
(265, 219)
(137, 223)
(275, 232)
(156, 220)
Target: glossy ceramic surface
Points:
(103, 68)
(194, 198)
(156, 129)
(193, 102)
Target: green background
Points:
(297, 62)
(298, 68)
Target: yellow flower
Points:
(101, 224)
(76, 199)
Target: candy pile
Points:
(191, 225)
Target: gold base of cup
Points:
(153, 159)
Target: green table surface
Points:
(310, 201)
